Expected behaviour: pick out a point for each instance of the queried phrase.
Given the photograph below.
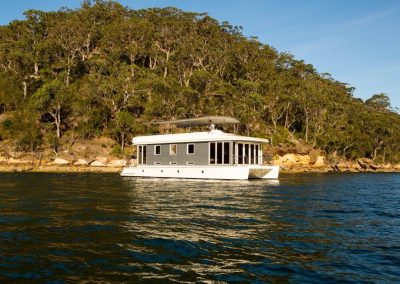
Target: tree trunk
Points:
(25, 89)
(287, 116)
(36, 68)
(122, 141)
(306, 134)
(57, 119)
(165, 71)
(68, 73)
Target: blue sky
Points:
(357, 41)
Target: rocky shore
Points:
(295, 163)
(289, 163)
(100, 165)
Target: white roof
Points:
(214, 135)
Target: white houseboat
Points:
(211, 154)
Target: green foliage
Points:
(104, 69)
(116, 150)
(124, 124)
(379, 102)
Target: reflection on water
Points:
(98, 228)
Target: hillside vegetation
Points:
(103, 70)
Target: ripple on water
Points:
(105, 228)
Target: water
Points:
(60, 228)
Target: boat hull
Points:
(204, 172)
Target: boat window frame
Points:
(219, 157)
(155, 150)
(187, 148)
(171, 146)
(209, 153)
(141, 153)
(226, 156)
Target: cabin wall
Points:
(200, 156)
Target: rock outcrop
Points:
(81, 162)
(117, 163)
(13, 161)
(60, 162)
(292, 160)
(320, 162)
(97, 164)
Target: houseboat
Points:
(211, 154)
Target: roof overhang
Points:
(214, 135)
(200, 121)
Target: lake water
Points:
(59, 228)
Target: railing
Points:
(238, 160)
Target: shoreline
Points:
(57, 169)
(115, 169)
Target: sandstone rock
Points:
(81, 162)
(347, 167)
(132, 162)
(102, 160)
(289, 159)
(3, 160)
(374, 167)
(362, 164)
(117, 163)
(386, 166)
(367, 161)
(292, 160)
(60, 162)
(341, 167)
(303, 160)
(356, 168)
(320, 162)
(97, 164)
(14, 161)
(276, 160)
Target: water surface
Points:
(105, 228)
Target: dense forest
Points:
(105, 70)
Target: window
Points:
(246, 154)
(141, 155)
(234, 158)
(189, 163)
(240, 153)
(157, 163)
(219, 153)
(252, 154)
(172, 149)
(144, 155)
(172, 163)
(157, 150)
(257, 154)
(190, 148)
(226, 152)
(212, 153)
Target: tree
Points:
(124, 123)
(379, 102)
(53, 100)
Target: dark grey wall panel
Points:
(200, 156)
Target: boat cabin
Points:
(199, 148)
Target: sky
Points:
(356, 41)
